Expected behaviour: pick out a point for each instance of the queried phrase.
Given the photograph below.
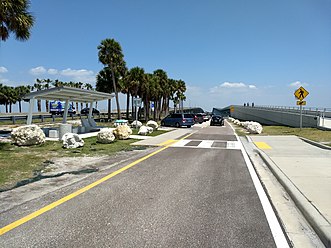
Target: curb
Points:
(321, 226)
(314, 143)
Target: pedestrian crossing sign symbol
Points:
(301, 93)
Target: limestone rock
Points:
(28, 135)
(152, 124)
(144, 130)
(129, 129)
(150, 129)
(254, 127)
(106, 136)
(122, 132)
(137, 124)
(72, 140)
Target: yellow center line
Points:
(167, 142)
(35, 214)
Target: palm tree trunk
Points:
(116, 93)
(109, 109)
(20, 106)
(155, 110)
(39, 105)
(133, 114)
(127, 104)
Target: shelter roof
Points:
(63, 93)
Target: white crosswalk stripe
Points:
(208, 144)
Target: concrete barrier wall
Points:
(271, 117)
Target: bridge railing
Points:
(322, 112)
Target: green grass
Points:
(18, 163)
(308, 133)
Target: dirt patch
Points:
(62, 172)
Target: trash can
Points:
(64, 128)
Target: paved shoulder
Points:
(306, 170)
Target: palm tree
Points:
(3, 96)
(110, 54)
(179, 91)
(162, 85)
(104, 84)
(21, 92)
(10, 97)
(15, 18)
(134, 80)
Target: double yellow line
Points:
(35, 214)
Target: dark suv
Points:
(217, 120)
(178, 120)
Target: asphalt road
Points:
(179, 197)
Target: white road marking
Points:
(233, 145)
(206, 144)
(276, 230)
(180, 143)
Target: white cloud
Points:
(76, 73)
(52, 71)
(297, 84)
(3, 69)
(38, 70)
(231, 86)
(85, 76)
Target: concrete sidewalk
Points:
(304, 170)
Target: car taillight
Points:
(184, 120)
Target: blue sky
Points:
(227, 51)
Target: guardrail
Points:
(14, 117)
(322, 112)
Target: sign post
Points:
(301, 94)
(136, 104)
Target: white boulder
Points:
(254, 127)
(143, 130)
(137, 124)
(150, 129)
(106, 136)
(122, 132)
(28, 135)
(72, 140)
(236, 122)
(129, 129)
(152, 124)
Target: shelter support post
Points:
(90, 110)
(31, 104)
(65, 114)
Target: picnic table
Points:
(120, 122)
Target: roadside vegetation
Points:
(313, 134)
(21, 163)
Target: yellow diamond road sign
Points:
(301, 93)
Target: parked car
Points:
(178, 120)
(195, 118)
(217, 120)
(85, 111)
(199, 118)
(206, 117)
